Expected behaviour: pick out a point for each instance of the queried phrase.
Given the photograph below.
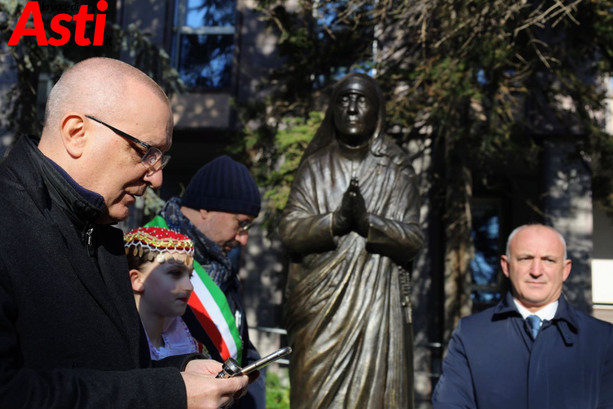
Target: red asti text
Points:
(56, 26)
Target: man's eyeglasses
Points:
(243, 225)
(153, 159)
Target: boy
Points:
(161, 265)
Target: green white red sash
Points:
(211, 308)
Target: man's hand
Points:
(204, 391)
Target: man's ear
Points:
(74, 137)
(204, 214)
(138, 281)
(504, 264)
(566, 271)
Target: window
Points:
(485, 265)
(203, 43)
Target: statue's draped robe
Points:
(343, 300)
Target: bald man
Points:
(70, 335)
(533, 350)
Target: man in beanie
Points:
(216, 211)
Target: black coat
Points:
(70, 334)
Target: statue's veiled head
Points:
(355, 106)
(354, 92)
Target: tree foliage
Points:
(487, 74)
(486, 81)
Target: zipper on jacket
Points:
(88, 239)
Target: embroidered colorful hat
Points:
(163, 245)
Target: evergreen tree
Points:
(484, 81)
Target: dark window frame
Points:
(495, 284)
(181, 30)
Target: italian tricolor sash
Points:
(211, 308)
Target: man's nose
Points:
(242, 237)
(536, 269)
(155, 179)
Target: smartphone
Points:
(268, 359)
(231, 368)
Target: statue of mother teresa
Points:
(351, 226)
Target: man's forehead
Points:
(540, 241)
(551, 253)
(239, 216)
(167, 144)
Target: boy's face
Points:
(166, 287)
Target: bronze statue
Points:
(352, 228)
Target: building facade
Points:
(222, 50)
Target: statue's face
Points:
(355, 117)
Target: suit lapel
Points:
(81, 264)
(114, 270)
(65, 249)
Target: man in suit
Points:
(70, 334)
(533, 350)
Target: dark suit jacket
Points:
(492, 363)
(70, 334)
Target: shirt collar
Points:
(565, 316)
(545, 313)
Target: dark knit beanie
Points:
(223, 185)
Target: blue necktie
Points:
(534, 324)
